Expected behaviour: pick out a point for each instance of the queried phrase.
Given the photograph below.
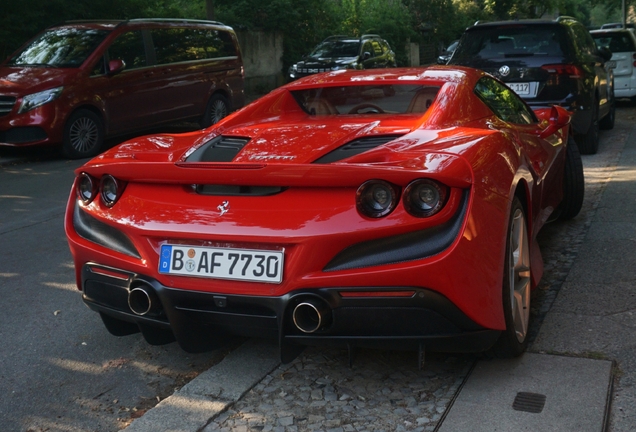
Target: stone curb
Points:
(193, 406)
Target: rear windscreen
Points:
(615, 42)
(366, 99)
(510, 41)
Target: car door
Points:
(128, 96)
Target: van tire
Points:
(217, 108)
(83, 135)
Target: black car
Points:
(547, 62)
(446, 53)
(345, 52)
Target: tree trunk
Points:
(209, 9)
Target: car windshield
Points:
(368, 99)
(60, 47)
(336, 48)
(615, 42)
(510, 41)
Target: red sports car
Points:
(389, 208)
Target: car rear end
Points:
(622, 44)
(532, 58)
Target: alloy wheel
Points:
(83, 134)
(519, 274)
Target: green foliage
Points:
(304, 23)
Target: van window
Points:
(60, 47)
(129, 47)
(174, 45)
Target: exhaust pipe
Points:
(143, 301)
(311, 315)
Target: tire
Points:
(588, 142)
(83, 135)
(513, 341)
(573, 183)
(608, 121)
(217, 108)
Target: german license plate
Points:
(222, 263)
(611, 64)
(520, 88)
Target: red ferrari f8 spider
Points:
(386, 208)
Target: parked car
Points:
(76, 83)
(622, 44)
(617, 26)
(345, 52)
(403, 218)
(547, 62)
(447, 53)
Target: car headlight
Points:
(376, 198)
(424, 198)
(35, 100)
(86, 188)
(111, 190)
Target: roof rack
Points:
(176, 20)
(134, 20)
(364, 36)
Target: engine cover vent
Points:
(355, 147)
(219, 149)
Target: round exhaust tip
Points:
(310, 316)
(139, 301)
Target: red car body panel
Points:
(458, 141)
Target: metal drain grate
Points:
(529, 402)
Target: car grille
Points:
(6, 104)
(308, 71)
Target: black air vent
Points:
(355, 147)
(219, 149)
(231, 190)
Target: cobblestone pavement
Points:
(386, 390)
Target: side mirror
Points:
(605, 53)
(559, 118)
(116, 66)
(366, 55)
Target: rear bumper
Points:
(625, 86)
(412, 318)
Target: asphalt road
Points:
(62, 371)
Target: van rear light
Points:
(564, 69)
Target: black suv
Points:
(547, 63)
(345, 52)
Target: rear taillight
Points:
(572, 71)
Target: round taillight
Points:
(86, 188)
(111, 190)
(424, 198)
(376, 198)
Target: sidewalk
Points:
(583, 359)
